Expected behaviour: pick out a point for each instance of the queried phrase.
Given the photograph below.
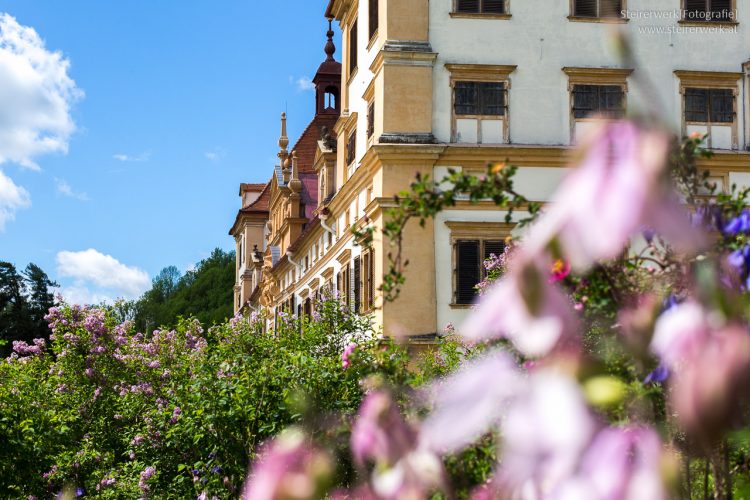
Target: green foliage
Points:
(24, 300)
(107, 403)
(205, 293)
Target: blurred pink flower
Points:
(619, 464)
(382, 438)
(546, 430)
(710, 365)
(289, 467)
(526, 309)
(348, 351)
(618, 189)
(471, 402)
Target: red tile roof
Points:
(307, 144)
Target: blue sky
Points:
(163, 107)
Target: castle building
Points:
(429, 85)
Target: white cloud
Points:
(36, 95)
(304, 84)
(143, 157)
(64, 189)
(109, 276)
(12, 198)
(215, 154)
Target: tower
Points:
(327, 81)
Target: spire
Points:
(283, 139)
(330, 47)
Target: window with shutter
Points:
(351, 148)
(357, 284)
(467, 270)
(598, 8)
(370, 120)
(606, 100)
(370, 280)
(709, 105)
(480, 6)
(353, 48)
(373, 17)
(479, 98)
(709, 10)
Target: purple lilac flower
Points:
(659, 375)
(740, 224)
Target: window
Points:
(373, 17)
(351, 147)
(602, 100)
(370, 120)
(709, 105)
(480, 103)
(353, 48)
(479, 98)
(595, 93)
(480, 6)
(598, 8)
(368, 280)
(331, 97)
(357, 284)
(709, 10)
(469, 269)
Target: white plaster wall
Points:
(540, 40)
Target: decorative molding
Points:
(344, 257)
(481, 72)
(708, 79)
(597, 76)
(478, 15)
(603, 20)
(479, 229)
(390, 56)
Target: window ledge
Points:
(688, 22)
(352, 75)
(461, 306)
(472, 15)
(604, 20)
(373, 39)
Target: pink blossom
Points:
(382, 438)
(471, 402)
(348, 351)
(710, 362)
(619, 464)
(523, 307)
(619, 188)
(288, 467)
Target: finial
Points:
(330, 47)
(286, 168)
(295, 184)
(283, 140)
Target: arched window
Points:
(331, 97)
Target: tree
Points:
(204, 292)
(40, 298)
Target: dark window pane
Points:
(353, 48)
(695, 10)
(721, 10)
(351, 148)
(585, 100)
(491, 98)
(467, 5)
(607, 100)
(493, 6)
(466, 98)
(610, 8)
(467, 271)
(585, 8)
(696, 105)
(373, 16)
(370, 120)
(722, 106)
(357, 284)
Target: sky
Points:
(126, 127)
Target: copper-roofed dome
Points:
(328, 79)
(330, 66)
